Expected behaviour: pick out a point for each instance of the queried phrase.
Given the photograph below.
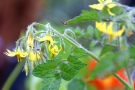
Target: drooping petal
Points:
(116, 34)
(48, 39)
(30, 41)
(9, 53)
(97, 6)
(54, 51)
(34, 56)
(101, 26)
(109, 28)
(18, 53)
(18, 58)
(24, 54)
(120, 32)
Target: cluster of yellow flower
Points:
(31, 54)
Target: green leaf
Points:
(106, 49)
(116, 10)
(67, 72)
(84, 16)
(75, 63)
(76, 84)
(51, 81)
(42, 69)
(79, 52)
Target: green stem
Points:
(122, 81)
(13, 76)
(129, 78)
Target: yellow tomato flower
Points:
(101, 5)
(18, 53)
(54, 51)
(48, 39)
(109, 30)
(34, 56)
(30, 41)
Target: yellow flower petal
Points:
(34, 56)
(18, 53)
(120, 32)
(109, 28)
(97, 6)
(30, 41)
(54, 51)
(9, 53)
(24, 54)
(101, 26)
(47, 38)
